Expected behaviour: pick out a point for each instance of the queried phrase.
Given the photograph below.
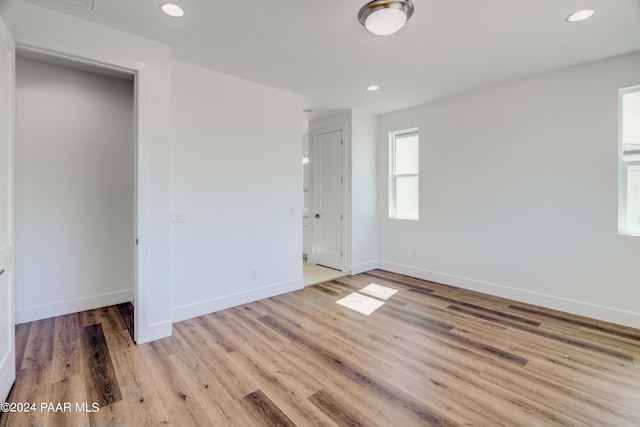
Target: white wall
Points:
(43, 29)
(363, 201)
(236, 175)
(518, 193)
(74, 190)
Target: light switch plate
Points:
(177, 218)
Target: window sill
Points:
(629, 233)
(406, 218)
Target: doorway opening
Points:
(314, 273)
(75, 186)
(323, 212)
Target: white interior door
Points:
(328, 199)
(7, 223)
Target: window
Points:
(629, 161)
(404, 174)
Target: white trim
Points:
(581, 308)
(392, 202)
(190, 311)
(62, 50)
(156, 331)
(623, 165)
(362, 267)
(30, 314)
(7, 256)
(8, 370)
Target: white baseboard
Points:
(216, 304)
(7, 370)
(581, 308)
(362, 267)
(29, 314)
(152, 332)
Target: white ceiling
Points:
(319, 49)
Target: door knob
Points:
(317, 215)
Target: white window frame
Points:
(625, 165)
(393, 176)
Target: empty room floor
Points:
(427, 354)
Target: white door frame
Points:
(311, 257)
(8, 360)
(139, 70)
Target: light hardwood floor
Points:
(431, 355)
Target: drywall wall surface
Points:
(42, 29)
(236, 182)
(363, 200)
(518, 193)
(74, 190)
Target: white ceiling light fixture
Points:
(385, 17)
(372, 88)
(172, 10)
(580, 15)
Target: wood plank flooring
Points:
(431, 355)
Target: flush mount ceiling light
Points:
(372, 88)
(580, 15)
(172, 10)
(385, 17)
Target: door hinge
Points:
(341, 143)
(341, 180)
(136, 242)
(341, 217)
(340, 254)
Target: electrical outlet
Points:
(254, 273)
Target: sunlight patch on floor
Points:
(360, 303)
(378, 291)
(365, 304)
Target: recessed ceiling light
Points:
(580, 15)
(372, 88)
(172, 10)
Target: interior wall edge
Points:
(190, 311)
(607, 314)
(30, 314)
(362, 267)
(156, 331)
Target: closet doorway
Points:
(75, 187)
